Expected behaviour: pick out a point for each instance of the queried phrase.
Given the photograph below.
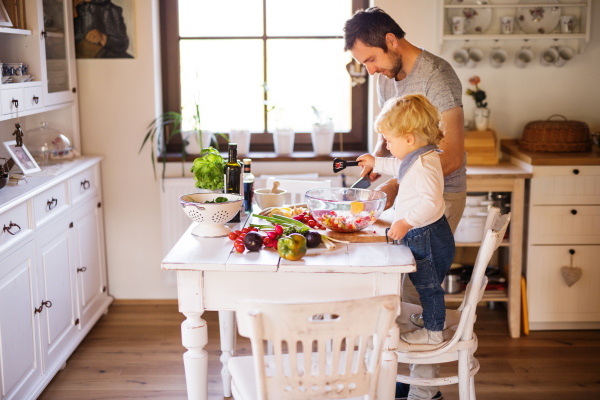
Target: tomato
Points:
(305, 219)
(312, 223)
(233, 236)
(239, 247)
(243, 235)
(238, 232)
(254, 229)
(245, 230)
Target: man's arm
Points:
(453, 143)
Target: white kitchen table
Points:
(211, 275)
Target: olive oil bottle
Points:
(233, 175)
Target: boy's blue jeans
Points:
(433, 249)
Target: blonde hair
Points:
(411, 113)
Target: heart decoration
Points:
(571, 275)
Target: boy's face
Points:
(400, 146)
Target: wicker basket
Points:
(556, 136)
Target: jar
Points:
(47, 144)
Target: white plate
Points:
(477, 19)
(5, 79)
(538, 19)
(29, 79)
(19, 79)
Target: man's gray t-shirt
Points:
(435, 78)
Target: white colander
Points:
(210, 217)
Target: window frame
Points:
(355, 140)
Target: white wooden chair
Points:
(296, 189)
(324, 374)
(460, 342)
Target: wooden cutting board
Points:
(373, 234)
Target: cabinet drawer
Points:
(566, 185)
(33, 98)
(85, 185)
(8, 107)
(564, 225)
(14, 226)
(50, 204)
(548, 296)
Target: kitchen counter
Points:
(511, 148)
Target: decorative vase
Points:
(322, 138)
(192, 146)
(283, 139)
(242, 139)
(482, 119)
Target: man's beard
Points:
(396, 60)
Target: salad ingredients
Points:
(253, 241)
(218, 200)
(292, 247)
(346, 222)
(356, 207)
(313, 239)
(208, 170)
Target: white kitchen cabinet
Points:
(91, 280)
(20, 360)
(564, 215)
(56, 272)
(56, 264)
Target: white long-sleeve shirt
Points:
(420, 199)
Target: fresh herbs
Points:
(218, 200)
(208, 170)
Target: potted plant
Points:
(208, 170)
(482, 114)
(283, 134)
(322, 134)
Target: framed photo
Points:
(21, 157)
(4, 18)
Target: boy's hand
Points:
(398, 230)
(367, 162)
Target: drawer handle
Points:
(82, 269)
(85, 184)
(36, 99)
(571, 251)
(15, 103)
(50, 204)
(576, 171)
(574, 212)
(9, 227)
(46, 303)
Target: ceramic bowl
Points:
(19, 79)
(345, 210)
(265, 199)
(211, 217)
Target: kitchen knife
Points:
(339, 164)
(362, 183)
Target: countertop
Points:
(502, 170)
(510, 147)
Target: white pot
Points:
(482, 118)
(242, 138)
(322, 138)
(193, 146)
(283, 139)
(209, 191)
(470, 229)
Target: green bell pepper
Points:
(292, 247)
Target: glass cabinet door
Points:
(59, 52)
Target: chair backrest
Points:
(324, 374)
(296, 189)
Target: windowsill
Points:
(257, 156)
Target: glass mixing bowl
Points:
(345, 210)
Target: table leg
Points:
(194, 336)
(228, 333)
(517, 206)
(389, 366)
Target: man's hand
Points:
(95, 36)
(390, 188)
(399, 229)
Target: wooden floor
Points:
(135, 352)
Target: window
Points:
(218, 54)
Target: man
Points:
(378, 42)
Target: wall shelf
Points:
(517, 36)
(515, 5)
(14, 31)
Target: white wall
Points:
(515, 96)
(117, 100)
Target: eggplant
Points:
(313, 239)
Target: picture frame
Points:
(4, 18)
(22, 157)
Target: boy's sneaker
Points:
(417, 319)
(423, 336)
(402, 390)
